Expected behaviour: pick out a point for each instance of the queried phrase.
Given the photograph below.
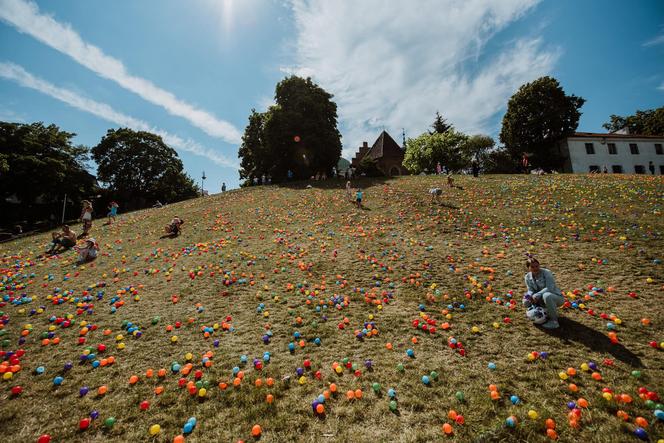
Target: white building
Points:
(621, 153)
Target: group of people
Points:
(67, 239)
(358, 194)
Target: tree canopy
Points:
(649, 122)
(425, 151)
(40, 161)
(440, 125)
(538, 115)
(298, 133)
(140, 168)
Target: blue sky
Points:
(192, 70)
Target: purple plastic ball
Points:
(68, 366)
(94, 415)
(83, 391)
(299, 372)
(592, 365)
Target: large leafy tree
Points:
(538, 115)
(477, 147)
(40, 162)
(649, 122)
(298, 133)
(426, 150)
(140, 168)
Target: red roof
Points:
(611, 135)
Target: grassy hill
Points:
(261, 269)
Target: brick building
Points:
(387, 154)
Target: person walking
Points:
(86, 217)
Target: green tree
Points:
(40, 162)
(140, 168)
(649, 122)
(499, 161)
(426, 150)
(252, 150)
(538, 115)
(477, 147)
(298, 133)
(440, 125)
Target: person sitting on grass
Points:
(450, 180)
(435, 194)
(543, 291)
(358, 198)
(174, 228)
(65, 239)
(88, 252)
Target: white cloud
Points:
(26, 17)
(16, 73)
(393, 64)
(661, 87)
(659, 40)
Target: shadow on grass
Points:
(572, 331)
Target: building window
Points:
(593, 168)
(617, 169)
(590, 149)
(639, 169)
(661, 169)
(612, 149)
(634, 149)
(658, 149)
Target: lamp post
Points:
(203, 177)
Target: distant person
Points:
(223, 187)
(157, 204)
(112, 212)
(269, 179)
(88, 252)
(65, 239)
(605, 170)
(346, 174)
(174, 228)
(358, 198)
(476, 168)
(256, 181)
(289, 174)
(450, 180)
(349, 191)
(525, 163)
(543, 291)
(86, 217)
(334, 172)
(439, 169)
(651, 167)
(263, 180)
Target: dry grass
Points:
(572, 223)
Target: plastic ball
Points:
(57, 381)
(510, 421)
(393, 405)
(641, 433)
(426, 380)
(155, 429)
(256, 431)
(533, 414)
(109, 422)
